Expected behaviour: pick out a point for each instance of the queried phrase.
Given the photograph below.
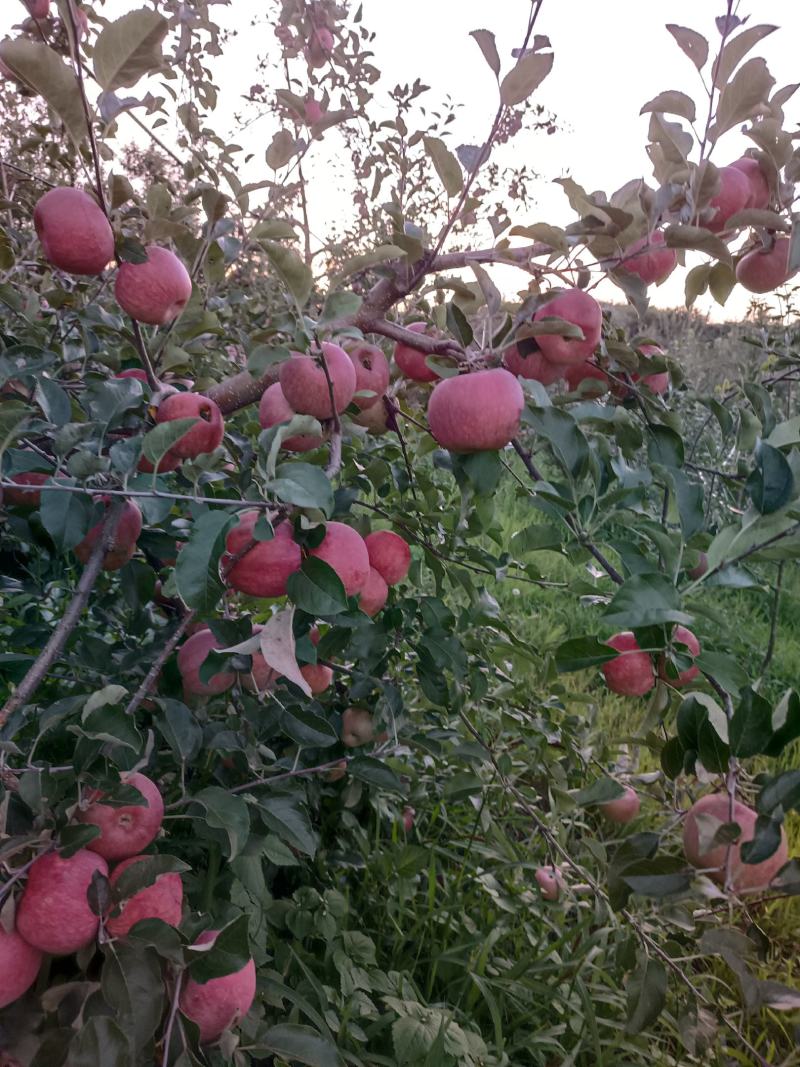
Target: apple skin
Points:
(25, 497)
(622, 809)
(372, 372)
(631, 674)
(532, 366)
(343, 549)
(318, 676)
(411, 361)
(273, 409)
(685, 637)
(374, 594)
(206, 435)
(155, 291)
(759, 185)
(734, 195)
(357, 727)
(264, 570)
(303, 381)
(700, 568)
(133, 372)
(39, 9)
(374, 418)
(580, 309)
(744, 875)
(221, 1003)
(191, 656)
(124, 544)
(53, 913)
(319, 47)
(161, 900)
(74, 233)
(124, 831)
(168, 462)
(587, 374)
(407, 818)
(550, 881)
(476, 412)
(389, 554)
(656, 383)
(312, 111)
(19, 965)
(762, 272)
(649, 258)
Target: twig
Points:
(173, 1012)
(773, 622)
(150, 678)
(159, 494)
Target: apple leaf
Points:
(129, 48)
(525, 77)
(43, 70)
(278, 648)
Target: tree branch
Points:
(158, 663)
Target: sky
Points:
(610, 58)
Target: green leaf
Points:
(578, 653)
(447, 166)
(647, 995)
(308, 729)
(765, 840)
(599, 791)
(43, 70)
(299, 1044)
(664, 446)
(112, 725)
(367, 259)
(294, 274)
(486, 42)
(129, 48)
(525, 77)
(65, 516)
(144, 873)
(750, 87)
(567, 440)
(277, 645)
(735, 51)
(53, 400)
(227, 813)
(659, 877)
(72, 838)
(645, 600)
(783, 791)
(751, 725)
(375, 772)
(100, 1040)
(286, 816)
(158, 441)
(771, 484)
(302, 484)
(340, 305)
(197, 569)
(133, 987)
(691, 43)
(785, 723)
(229, 953)
(183, 735)
(317, 589)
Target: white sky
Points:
(610, 58)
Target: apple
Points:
(206, 435)
(374, 418)
(389, 554)
(372, 372)
(476, 412)
(622, 809)
(155, 291)
(631, 673)
(657, 383)
(335, 774)
(408, 818)
(53, 913)
(762, 270)
(700, 568)
(220, 1003)
(343, 548)
(19, 965)
(261, 676)
(313, 111)
(411, 361)
(734, 195)
(123, 546)
(39, 9)
(581, 310)
(161, 900)
(191, 656)
(273, 409)
(550, 881)
(760, 195)
(681, 636)
(168, 462)
(133, 372)
(357, 728)
(74, 232)
(531, 364)
(374, 594)
(586, 378)
(319, 46)
(305, 386)
(649, 258)
(264, 569)
(26, 497)
(744, 875)
(125, 830)
(318, 676)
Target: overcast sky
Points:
(610, 58)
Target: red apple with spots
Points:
(763, 270)
(305, 385)
(703, 819)
(273, 410)
(550, 881)
(155, 291)
(125, 830)
(586, 378)
(53, 913)
(262, 568)
(19, 965)
(122, 546)
(374, 594)
(411, 361)
(526, 361)
(372, 372)
(191, 656)
(476, 412)
(631, 672)
(622, 809)
(163, 900)
(649, 258)
(582, 310)
(374, 419)
(343, 549)
(205, 435)
(221, 1003)
(681, 636)
(133, 372)
(389, 554)
(733, 196)
(319, 46)
(74, 233)
(29, 495)
(357, 728)
(760, 195)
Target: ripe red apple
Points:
(734, 195)
(411, 361)
(408, 818)
(319, 47)
(700, 568)
(631, 673)
(221, 1003)
(273, 410)
(124, 544)
(305, 386)
(374, 594)
(357, 728)
(155, 291)
(313, 111)
(126, 830)
(532, 365)
(550, 881)
(26, 497)
(206, 435)
(75, 234)
(372, 372)
(191, 656)
(161, 900)
(649, 258)
(264, 569)
(581, 310)
(744, 875)
(763, 271)
(53, 913)
(133, 372)
(587, 377)
(19, 965)
(168, 462)
(476, 412)
(657, 383)
(39, 9)
(343, 548)
(318, 676)
(759, 184)
(622, 809)
(389, 554)
(681, 636)
(373, 418)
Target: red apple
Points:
(123, 546)
(39, 9)
(532, 365)
(26, 497)
(168, 462)
(631, 673)
(221, 1003)
(264, 569)
(411, 361)
(19, 965)
(587, 378)
(155, 291)
(373, 418)
(649, 258)
(75, 234)
(133, 372)
(372, 372)
(318, 676)
(622, 809)
(681, 636)
(550, 881)
(191, 656)
(319, 47)
(206, 435)
(161, 900)
(762, 271)
(734, 195)
(374, 594)
(312, 110)
(343, 548)
(53, 913)
(126, 830)
(700, 568)
(476, 412)
(389, 554)
(305, 386)
(581, 310)
(273, 410)
(657, 383)
(357, 728)
(716, 806)
(759, 185)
